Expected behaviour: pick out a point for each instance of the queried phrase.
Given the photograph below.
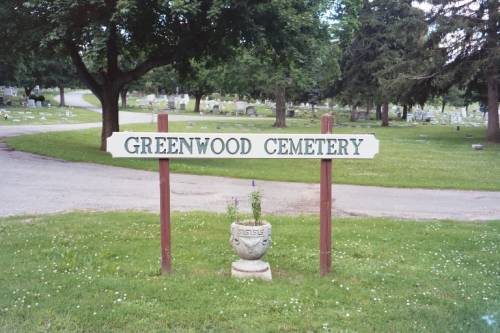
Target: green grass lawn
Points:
(43, 116)
(99, 272)
(421, 156)
(92, 99)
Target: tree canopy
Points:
(112, 43)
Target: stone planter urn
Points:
(250, 243)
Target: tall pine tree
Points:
(468, 33)
(374, 65)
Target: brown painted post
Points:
(325, 232)
(166, 257)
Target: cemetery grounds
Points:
(94, 272)
(18, 114)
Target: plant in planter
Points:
(250, 239)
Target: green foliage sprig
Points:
(255, 201)
(232, 210)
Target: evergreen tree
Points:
(467, 32)
(375, 66)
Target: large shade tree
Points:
(296, 59)
(289, 53)
(33, 69)
(126, 39)
(282, 63)
(201, 77)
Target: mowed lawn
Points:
(99, 272)
(421, 156)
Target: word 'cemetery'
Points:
(197, 145)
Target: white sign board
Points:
(241, 145)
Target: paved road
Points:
(31, 184)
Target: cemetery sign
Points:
(204, 145)
(164, 145)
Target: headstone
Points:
(182, 106)
(251, 111)
(10, 91)
(463, 112)
(240, 107)
(290, 113)
(31, 103)
(215, 108)
(428, 117)
(171, 103)
(38, 104)
(477, 146)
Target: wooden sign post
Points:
(165, 145)
(325, 205)
(166, 257)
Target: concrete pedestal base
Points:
(245, 269)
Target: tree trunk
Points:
(197, 100)
(110, 123)
(442, 106)
(378, 112)
(405, 112)
(280, 108)
(368, 108)
(62, 102)
(385, 115)
(354, 111)
(123, 97)
(493, 131)
(27, 91)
